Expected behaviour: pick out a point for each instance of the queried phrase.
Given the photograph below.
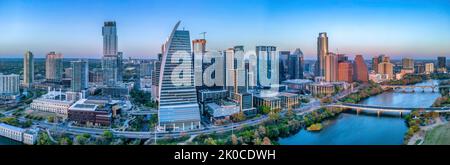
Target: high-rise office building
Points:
(238, 48)
(342, 57)
(198, 51)
(230, 70)
(345, 72)
(375, 63)
(109, 32)
(331, 67)
(145, 69)
(28, 69)
(80, 75)
(407, 63)
(266, 56)
(53, 67)
(119, 66)
(322, 51)
(429, 68)
(178, 108)
(442, 62)
(296, 65)
(111, 60)
(360, 72)
(386, 68)
(284, 65)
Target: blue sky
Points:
(419, 29)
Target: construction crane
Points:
(204, 34)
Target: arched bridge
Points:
(413, 88)
(380, 109)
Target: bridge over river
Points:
(413, 88)
(380, 109)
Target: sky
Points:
(398, 28)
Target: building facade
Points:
(266, 65)
(54, 67)
(80, 76)
(360, 72)
(322, 51)
(296, 65)
(28, 69)
(9, 86)
(178, 107)
(345, 71)
(429, 68)
(331, 67)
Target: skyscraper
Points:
(28, 69)
(407, 63)
(322, 51)
(178, 108)
(429, 68)
(296, 65)
(266, 57)
(331, 67)
(345, 72)
(80, 75)
(375, 63)
(111, 60)
(284, 65)
(198, 51)
(119, 66)
(109, 33)
(360, 72)
(53, 67)
(386, 68)
(442, 64)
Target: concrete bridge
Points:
(413, 88)
(380, 109)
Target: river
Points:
(352, 129)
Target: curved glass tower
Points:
(178, 108)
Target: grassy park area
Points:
(438, 136)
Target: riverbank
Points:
(419, 137)
(440, 135)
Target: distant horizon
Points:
(155, 58)
(415, 29)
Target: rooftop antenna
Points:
(204, 34)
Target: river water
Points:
(352, 129)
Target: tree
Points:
(234, 139)
(43, 139)
(266, 141)
(80, 140)
(264, 109)
(65, 141)
(51, 119)
(107, 135)
(237, 117)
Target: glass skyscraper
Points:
(111, 60)
(28, 69)
(178, 108)
(80, 76)
(53, 67)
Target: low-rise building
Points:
(298, 86)
(223, 111)
(89, 114)
(53, 102)
(289, 101)
(267, 98)
(326, 88)
(27, 136)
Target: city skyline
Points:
(399, 29)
